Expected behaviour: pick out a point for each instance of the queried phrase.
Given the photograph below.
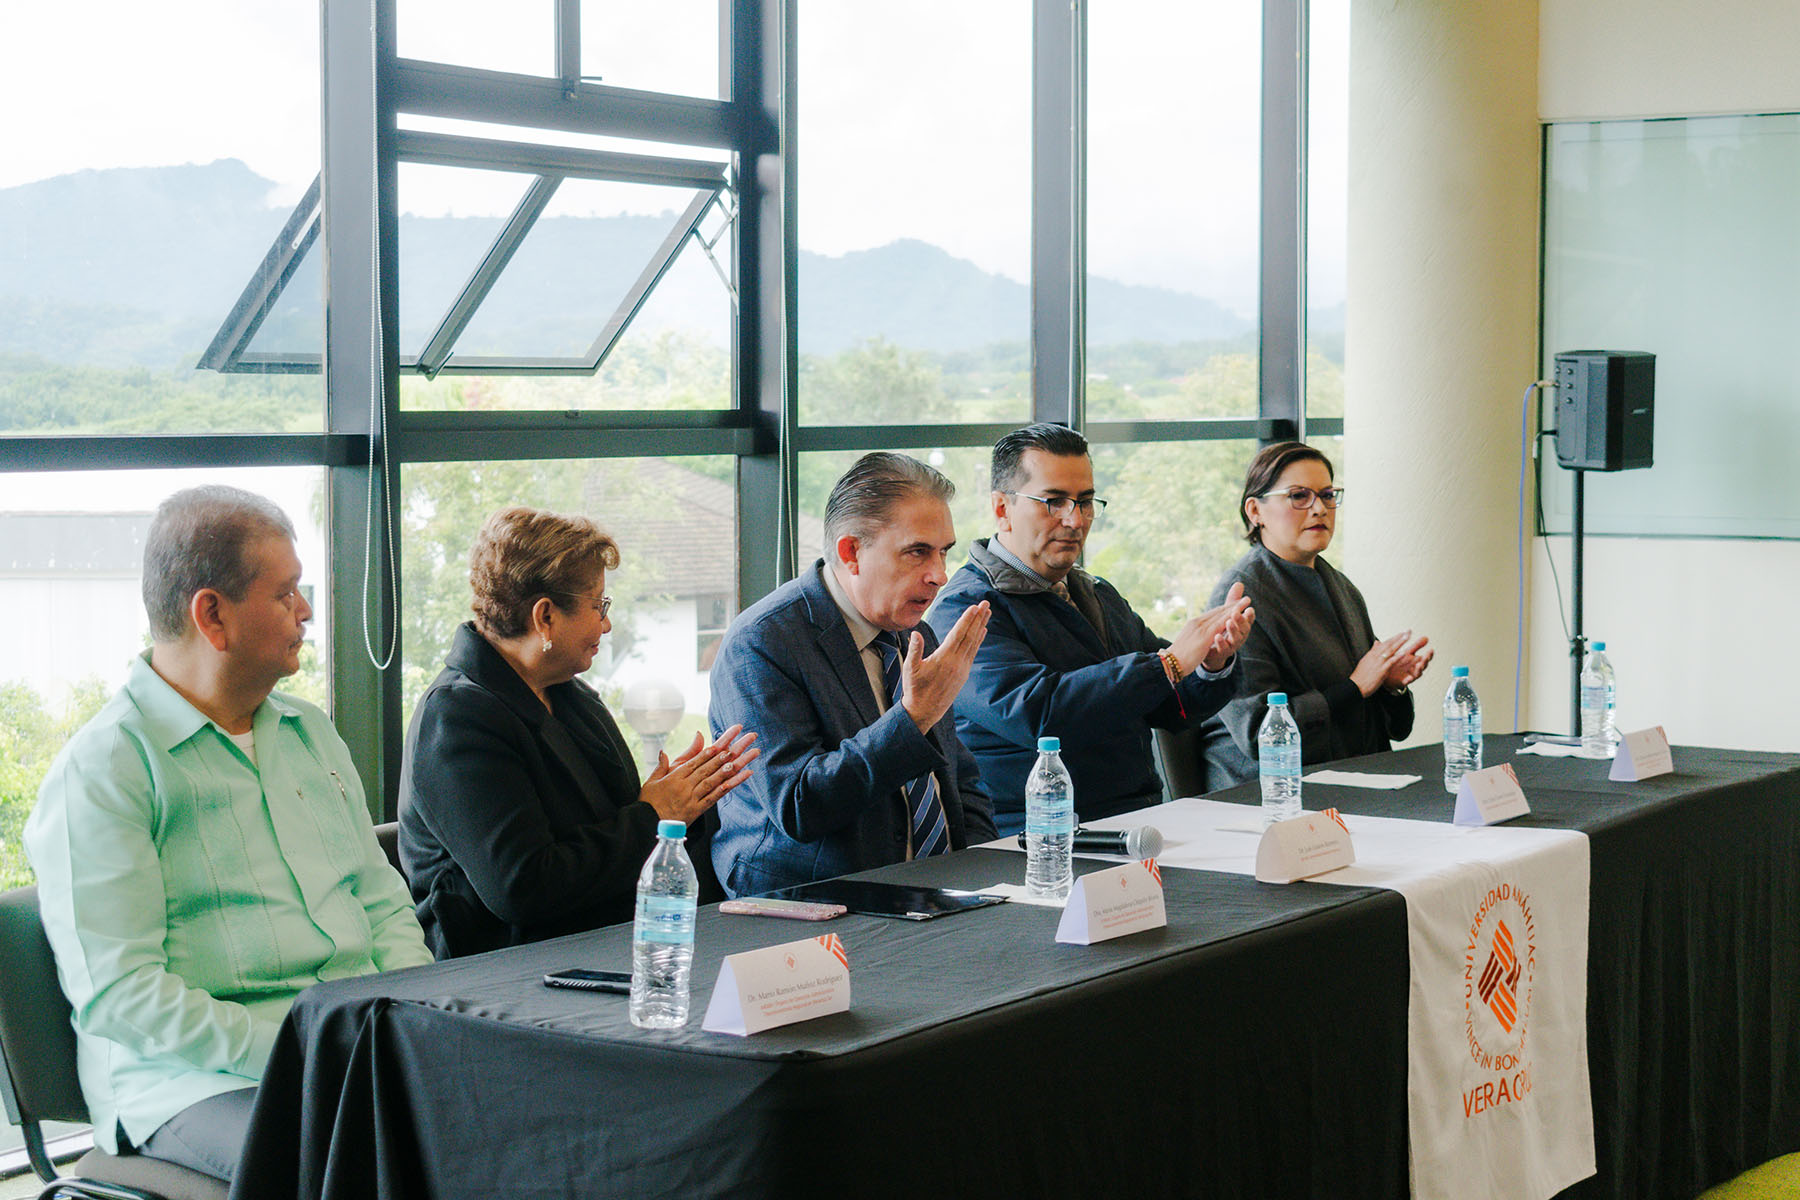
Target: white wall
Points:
(1682, 619)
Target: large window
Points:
(674, 266)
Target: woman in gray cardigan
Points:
(1312, 638)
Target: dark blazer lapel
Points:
(839, 648)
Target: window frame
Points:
(367, 437)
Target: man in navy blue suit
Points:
(851, 696)
(1066, 656)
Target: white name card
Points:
(1641, 755)
(1490, 796)
(780, 985)
(1303, 846)
(1113, 903)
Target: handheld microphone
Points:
(1146, 841)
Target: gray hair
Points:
(864, 495)
(196, 541)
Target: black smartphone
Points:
(593, 981)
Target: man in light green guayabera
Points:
(202, 847)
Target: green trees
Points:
(1170, 531)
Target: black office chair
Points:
(388, 834)
(1183, 761)
(37, 1074)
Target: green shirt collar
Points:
(169, 720)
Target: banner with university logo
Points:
(1499, 1103)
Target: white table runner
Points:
(1499, 1103)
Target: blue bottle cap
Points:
(1600, 646)
(1277, 697)
(671, 829)
(1459, 672)
(1049, 745)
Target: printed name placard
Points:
(1490, 796)
(1303, 846)
(780, 985)
(1641, 755)
(1113, 903)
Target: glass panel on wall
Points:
(1171, 526)
(915, 253)
(675, 520)
(1327, 206)
(1678, 237)
(72, 612)
(520, 38)
(135, 206)
(1174, 145)
(669, 46)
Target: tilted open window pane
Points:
(449, 218)
(585, 257)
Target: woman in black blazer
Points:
(522, 816)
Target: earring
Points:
(546, 645)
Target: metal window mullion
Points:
(487, 272)
(458, 150)
(1281, 383)
(115, 452)
(568, 46)
(1058, 211)
(431, 89)
(765, 265)
(358, 174)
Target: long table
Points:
(1256, 1047)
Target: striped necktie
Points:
(930, 833)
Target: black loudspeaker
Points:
(1605, 401)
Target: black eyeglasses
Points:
(1303, 497)
(602, 604)
(1061, 506)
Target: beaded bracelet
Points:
(1172, 668)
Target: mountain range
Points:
(138, 266)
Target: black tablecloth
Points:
(1255, 1048)
(1693, 949)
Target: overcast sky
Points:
(914, 117)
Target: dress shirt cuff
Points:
(1200, 672)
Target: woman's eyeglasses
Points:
(1303, 497)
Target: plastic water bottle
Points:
(1278, 762)
(662, 945)
(1462, 730)
(1049, 824)
(1599, 728)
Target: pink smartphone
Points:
(796, 910)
